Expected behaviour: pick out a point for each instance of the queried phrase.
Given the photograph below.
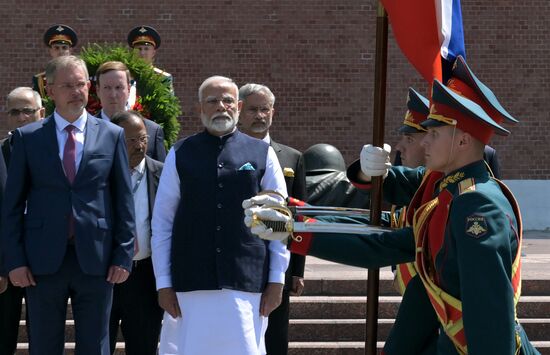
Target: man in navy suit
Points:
(68, 216)
(113, 90)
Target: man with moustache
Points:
(135, 307)
(113, 90)
(212, 274)
(255, 120)
(23, 106)
(68, 216)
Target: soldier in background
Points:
(60, 40)
(145, 40)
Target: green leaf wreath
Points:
(155, 100)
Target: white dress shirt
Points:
(141, 206)
(79, 134)
(166, 205)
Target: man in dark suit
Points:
(113, 90)
(135, 306)
(68, 216)
(23, 106)
(255, 120)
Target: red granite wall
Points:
(317, 57)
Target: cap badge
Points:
(60, 29)
(142, 30)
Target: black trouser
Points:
(10, 314)
(136, 309)
(276, 336)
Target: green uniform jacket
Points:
(474, 263)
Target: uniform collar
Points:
(476, 170)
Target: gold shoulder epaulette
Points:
(160, 71)
(466, 185)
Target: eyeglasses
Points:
(26, 111)
(140, 139)
(226, 101)
(262, 109)
(69, 87)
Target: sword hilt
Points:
(276, 226)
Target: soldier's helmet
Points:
(323, 158)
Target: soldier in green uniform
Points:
(60, 40)
(465, 241)
(145, 40)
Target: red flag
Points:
(427, 31)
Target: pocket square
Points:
(246, 166)
(288, 172)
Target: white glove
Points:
(375, 161)
(269, 200)
(260, 229)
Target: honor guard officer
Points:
(60, 40)
(465, 242)
(146, 40)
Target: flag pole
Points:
(379, 113)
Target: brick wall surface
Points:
(316, 56)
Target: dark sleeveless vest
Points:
(211, 246)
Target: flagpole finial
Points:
(381, 12)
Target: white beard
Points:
(220, 123)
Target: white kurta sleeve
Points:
(166, 205)
(279, 256)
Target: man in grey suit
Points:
(68, 216)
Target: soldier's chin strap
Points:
(278, 226)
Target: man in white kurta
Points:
(216, 304)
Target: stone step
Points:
(357, 348)
(322, 306)
(22, 336)
(353, 307)
(297, 348)
(332, 330)
(354, 329)
(358, 287)
(23, 349)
